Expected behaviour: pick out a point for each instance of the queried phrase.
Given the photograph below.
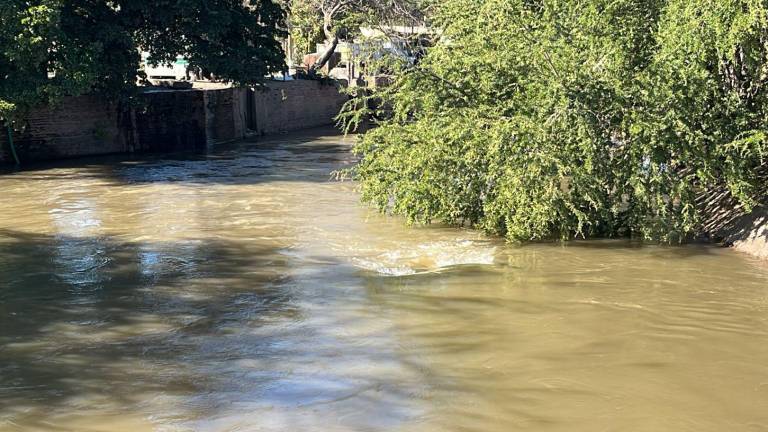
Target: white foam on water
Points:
(428, 257)
(381, 268)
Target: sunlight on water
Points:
(428, 257)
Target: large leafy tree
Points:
(550, 118)
(52, 48)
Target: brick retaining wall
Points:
(171, 120)
(293, 105)
(80, 126)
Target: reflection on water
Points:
(243, 291)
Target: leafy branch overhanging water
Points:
(540, 119)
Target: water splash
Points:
(428, 257)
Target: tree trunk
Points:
(332, 42)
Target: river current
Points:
(244, 290)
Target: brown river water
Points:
(243, 290)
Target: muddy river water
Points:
(242, 290)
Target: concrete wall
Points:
(171, 120)
(745, 232)
(749, 233)
(727, 222)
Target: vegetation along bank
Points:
(562, 119)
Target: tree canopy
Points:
(51, 48)
(536, 119)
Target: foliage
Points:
(313, 21)
(306, 28)
(52, 48)
(536, 119)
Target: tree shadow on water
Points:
(199, 334)
(95, 322)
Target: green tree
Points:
(53, 48)
(536, 119)
(306, 28)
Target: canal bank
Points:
(165, 120)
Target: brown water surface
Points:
(244, 291)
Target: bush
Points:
(540, 119)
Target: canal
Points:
(243, 290)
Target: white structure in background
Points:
(176, 71)
(394, 39)
(179, 71)
(374, 43)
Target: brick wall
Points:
(171, 120)
(220, 110)
(293, 105)
(79, 126)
